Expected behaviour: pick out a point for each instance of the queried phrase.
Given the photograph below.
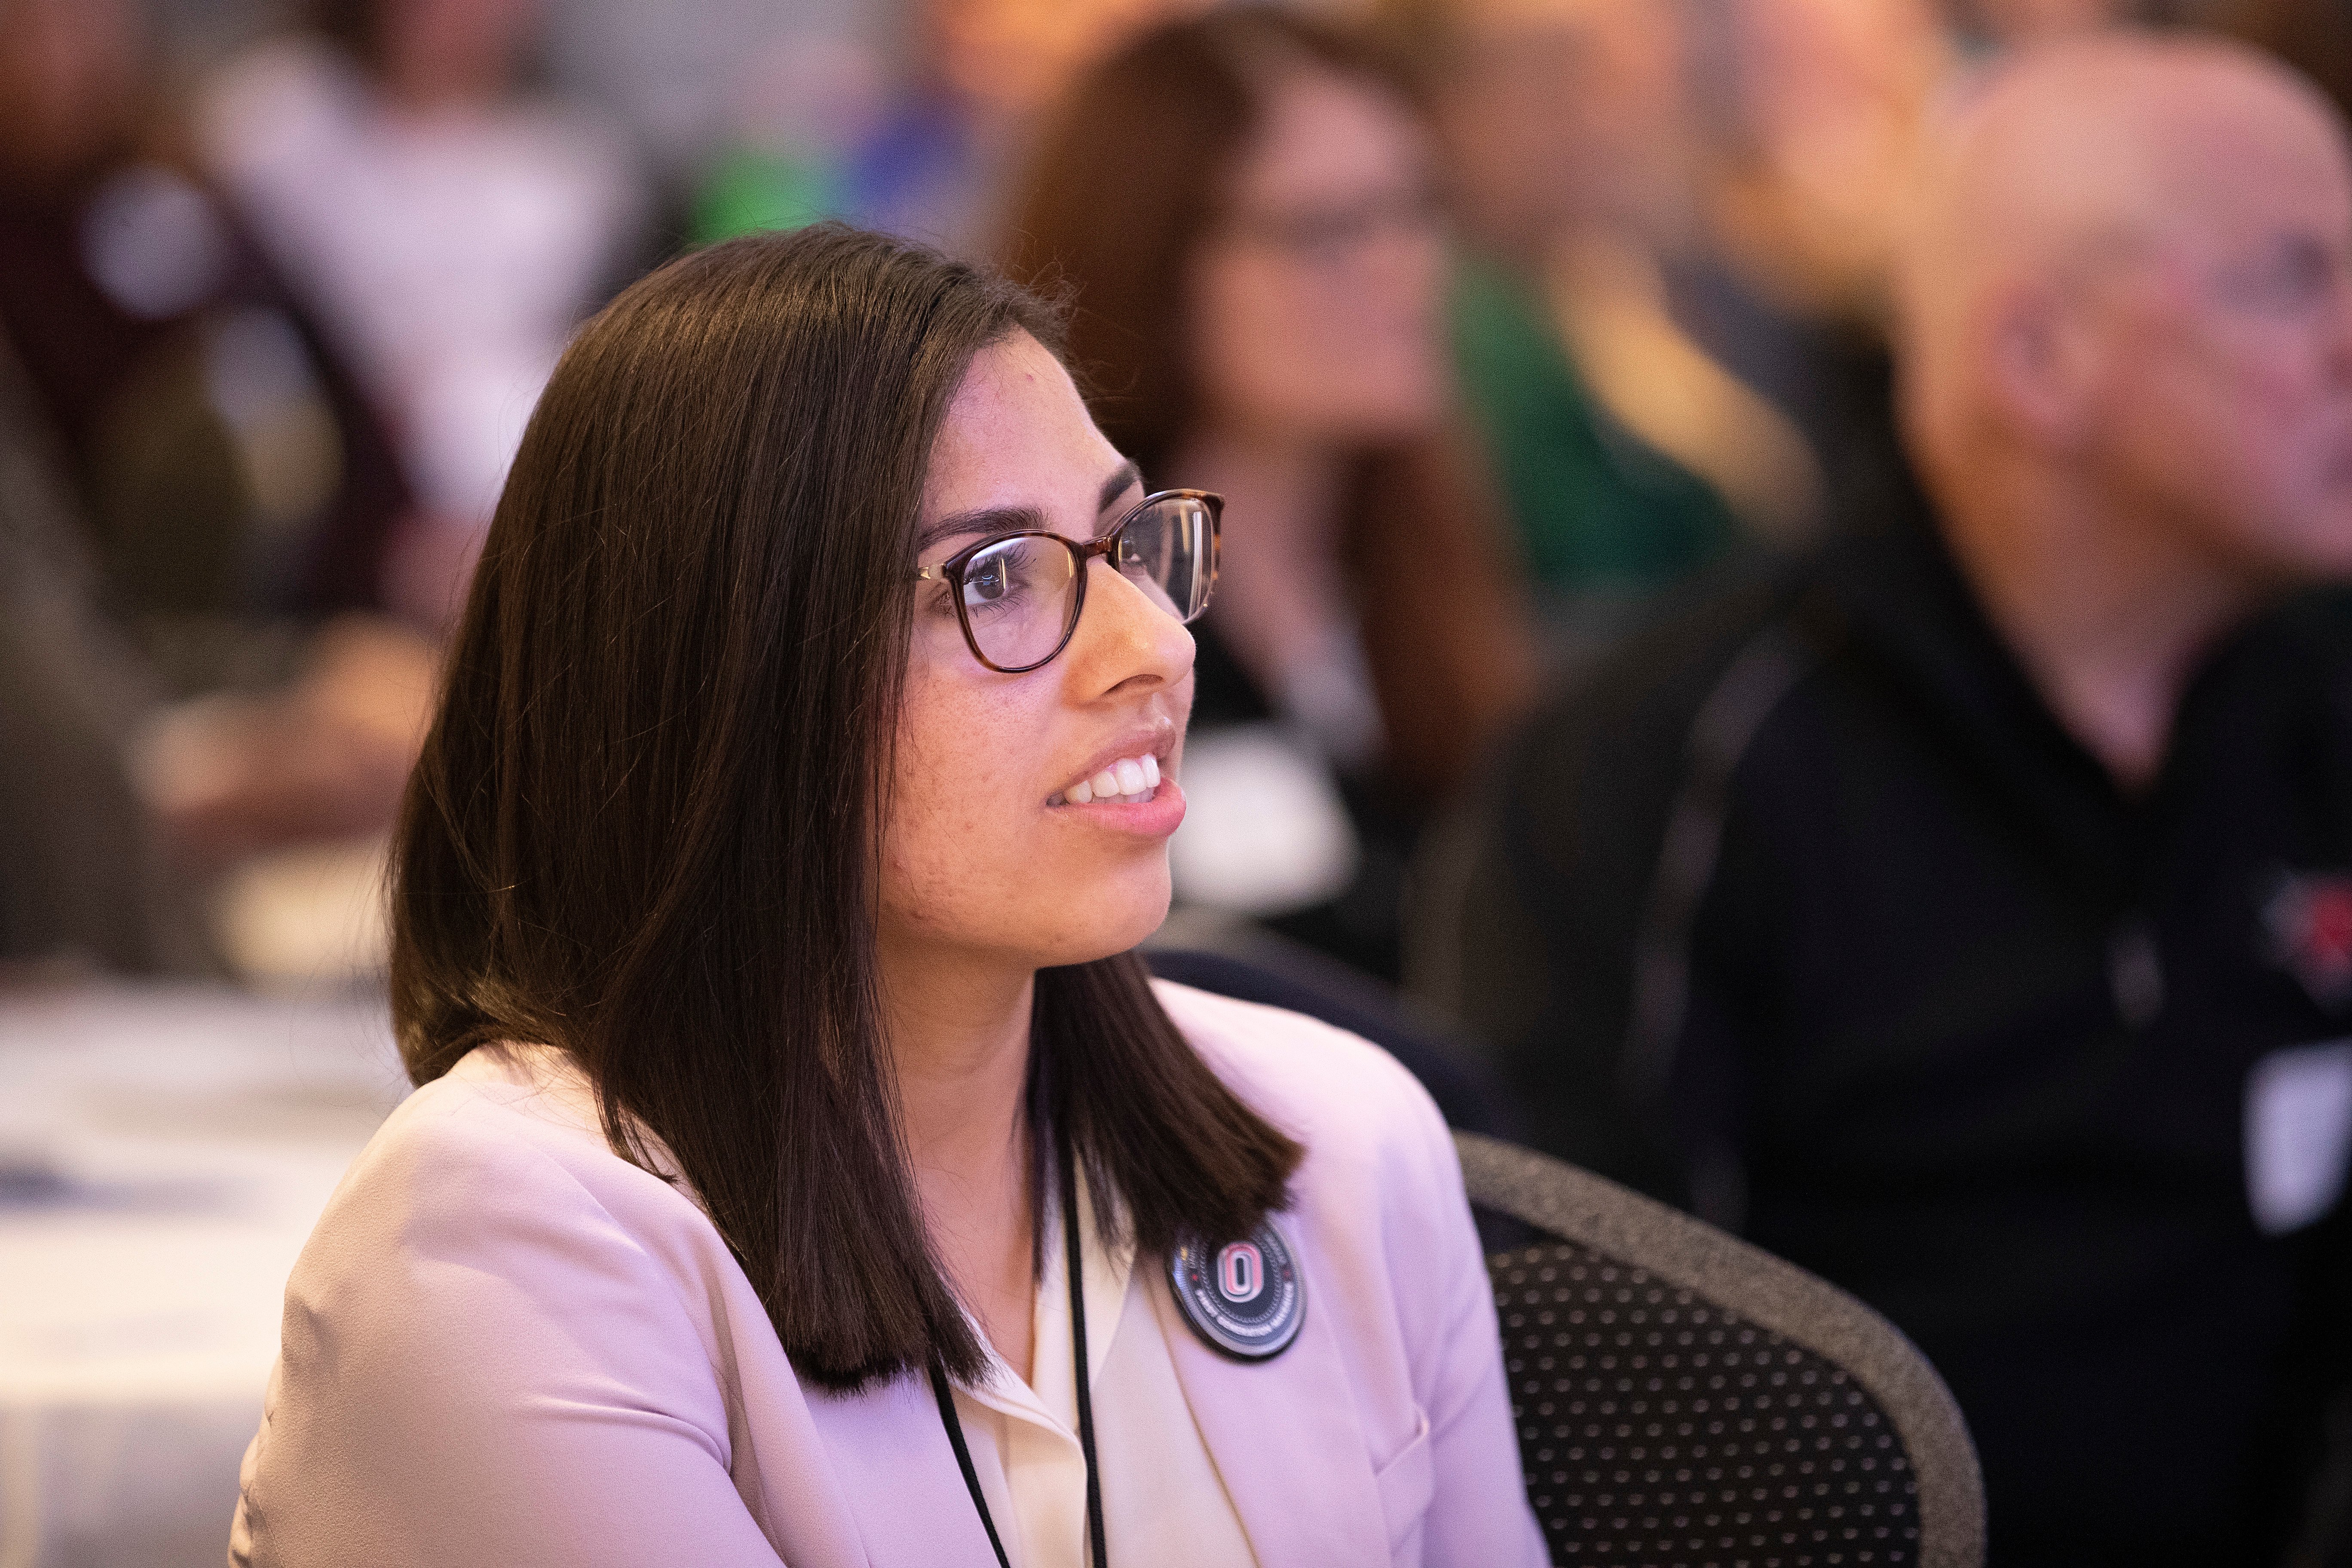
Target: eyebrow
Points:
(1020, 518)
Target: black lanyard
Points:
(1085, 1396)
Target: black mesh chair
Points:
(1686, 1401)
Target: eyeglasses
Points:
(1019, 595)
(1323, 236)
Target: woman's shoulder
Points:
(1336, 1092)
(492, 1292)
(512, 1132)
(523, 1102)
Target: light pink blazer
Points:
(504, 1346)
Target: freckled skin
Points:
(976, 866)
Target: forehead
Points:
(2254, 164)
(1017, 434)
(1326, 133)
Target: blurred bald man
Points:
(1965, 914)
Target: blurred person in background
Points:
(938, 165)
(801, 109)
(449, 223)
(1818, 106)
(1965, 916)
(219, 491)
(1811, 113)
(1630, 455)
(931, 161)
(1243, 209)
(1672, 324)
(224, 465)
(85, 878)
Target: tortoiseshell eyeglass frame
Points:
(950, 570)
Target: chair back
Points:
(1684, 1398)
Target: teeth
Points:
(1128, 780)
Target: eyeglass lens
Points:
(1020, 595)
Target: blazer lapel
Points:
(1285, 1436)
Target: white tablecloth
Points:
(163, 1152)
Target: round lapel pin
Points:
(1244, 1297)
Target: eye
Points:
(1006, 575)
(2294, 274)
(987, 578)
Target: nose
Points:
(1125, 639)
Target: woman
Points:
(761, 924)
(1243, 208)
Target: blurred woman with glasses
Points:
(1242, 209)
(803, 1167)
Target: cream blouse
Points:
(1164, 1505)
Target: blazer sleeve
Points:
(481, 1365)
(1478, 1510)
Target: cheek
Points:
(2275, 425)
(2182, 409)
(958, 796)
(972, 858)
(2297, 425)
(2256, 447)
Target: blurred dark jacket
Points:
(1804, 912)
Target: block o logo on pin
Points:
(1244, 1299)
(1239, 1269)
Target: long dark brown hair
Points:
(645, 825)
(1129, 179)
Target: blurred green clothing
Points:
(751, 191)
(1599, 511)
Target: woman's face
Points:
(1315, 306)
(985, 856)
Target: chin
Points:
(1124, 915)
